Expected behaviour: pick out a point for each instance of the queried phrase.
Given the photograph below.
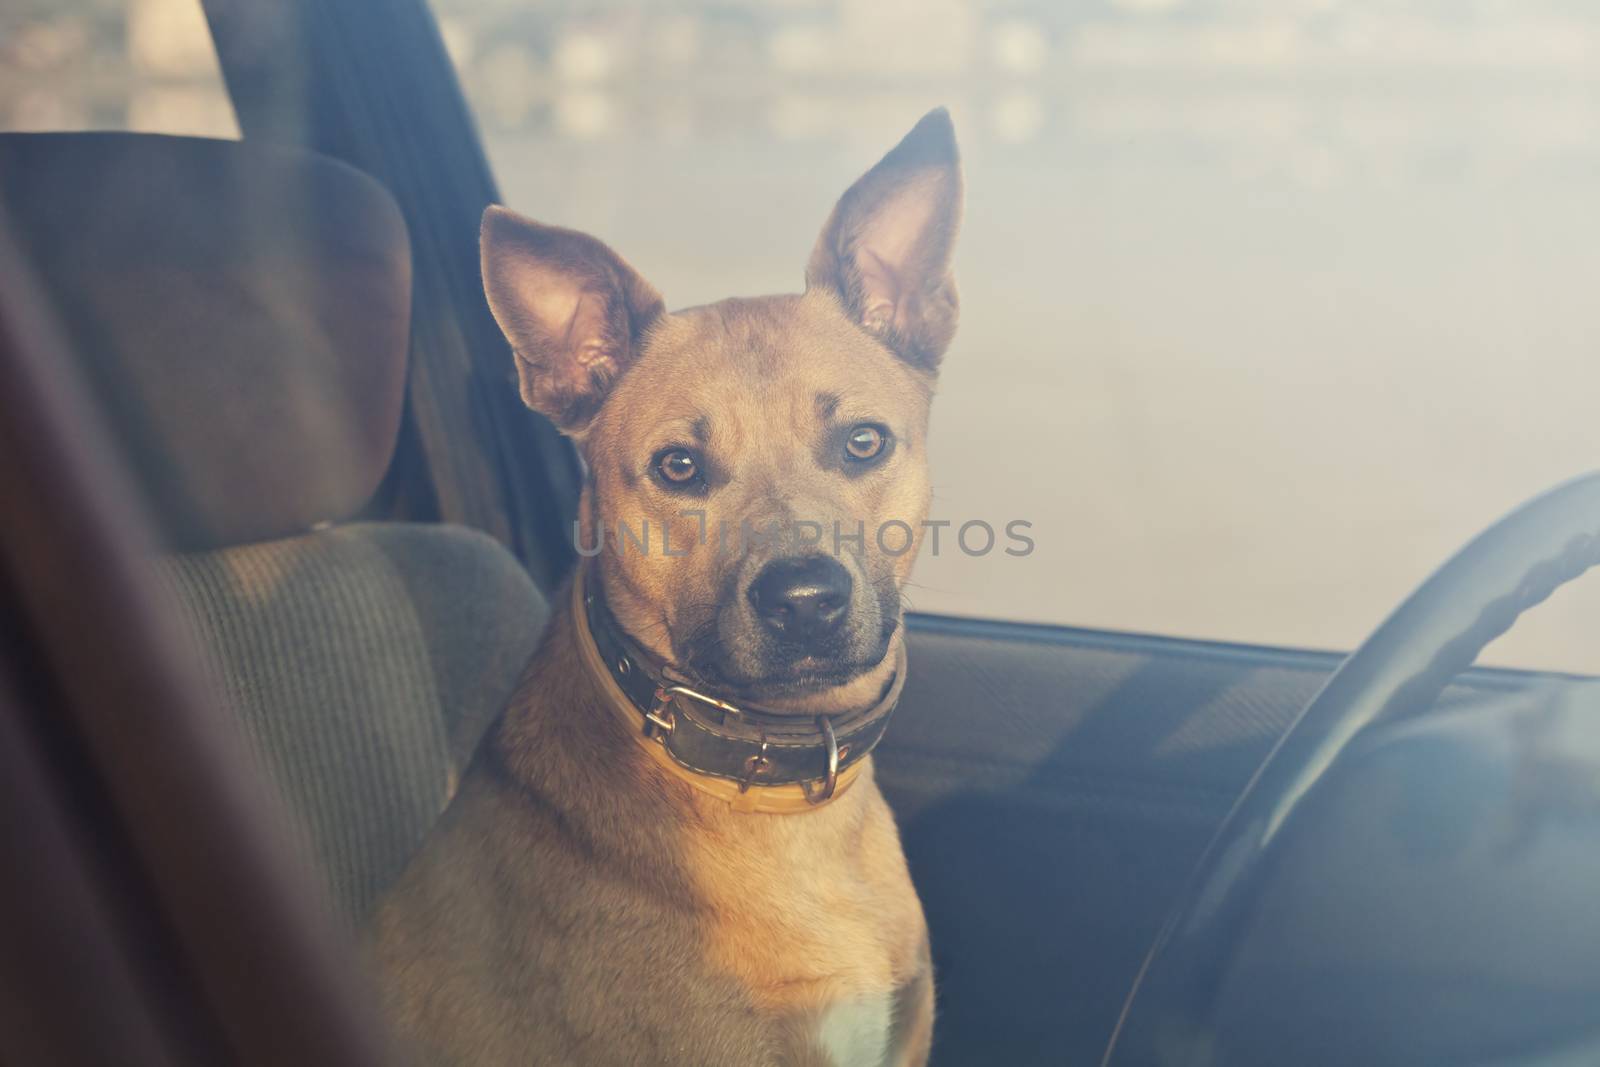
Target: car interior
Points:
(1131, 848)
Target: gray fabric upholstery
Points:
(364, 662)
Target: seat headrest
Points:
(242, 314)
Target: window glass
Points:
(1267, 306)
(145, 65)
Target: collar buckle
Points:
(659, 720)
(660, 716)
(667, 692)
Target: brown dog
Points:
(671, 849)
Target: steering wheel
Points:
(1398, 672)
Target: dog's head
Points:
(758, 471)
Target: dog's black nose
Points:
(802, 600)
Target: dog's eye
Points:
(677, 466)
(865, 442)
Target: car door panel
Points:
(1054, 788)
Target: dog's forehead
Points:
(766, 338)
(788, 358)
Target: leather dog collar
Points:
(755, 760)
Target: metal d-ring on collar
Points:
(746, 745)
(831, 782)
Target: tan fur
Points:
(576, 903)
(763, 421)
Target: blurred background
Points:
(1268, 305)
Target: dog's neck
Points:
(751, 759)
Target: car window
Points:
(1267, 306)
(143, 65)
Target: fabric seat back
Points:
(242, 314)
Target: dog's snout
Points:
(801, 601)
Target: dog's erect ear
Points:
(572, 309)
(886, 248)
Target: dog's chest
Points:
(816, 916)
